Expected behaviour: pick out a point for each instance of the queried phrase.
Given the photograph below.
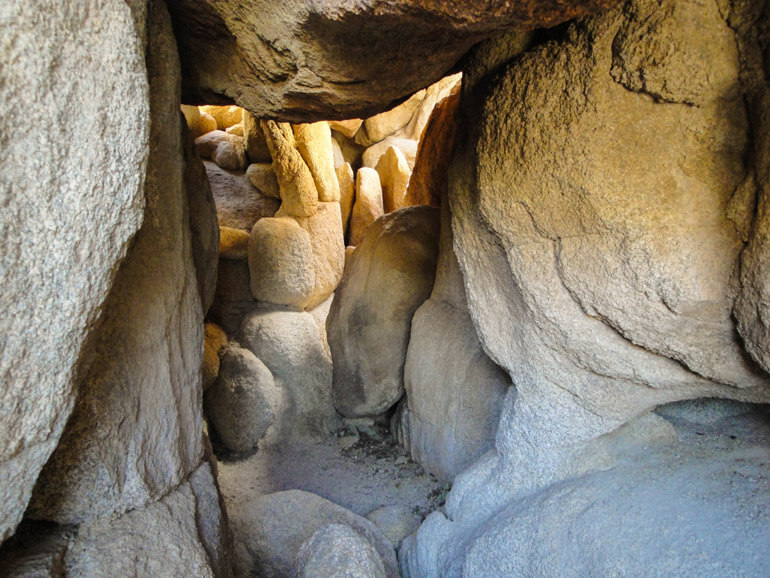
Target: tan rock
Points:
(368, 205)
(261, 175)
(233, 243)
(192, 117)
(226, 116)
(347, 128)
(386, 123)
(314, 142)
(327, 240)
(347, 183)
(281, 262)
(299, 196)
(434, 94)
(371, 156)
(339, 156)
(236, 129)
(428, 183)
(254, 138)
(394, 178)
(230, 154)
(214, 341)
(206, 123)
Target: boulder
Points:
(454, 391)
(207, 144)
(254, 140)
(291, 346)
(368, 205)
(233, 243)
(302, 62)
(230, 154)
(346, 179)
(396, 522)
(188, 529)
(389, 276)
(206, 123)
(386, 123)
(314, 142)
(281, 262)
(299, 196)
(226, 116)
(274, 527)
(236, 129)
(192, 117)
(239, 204)
(328, 242)
(694, 505)
(145, 356)
(243, 401)
(214, 342)
(601, 272)
(408, 147)
(428, 183)
(434, 94)
(339, 156)
(261, 175)
(233, 295)
(394, 177)
(337, 550)
(347, 128)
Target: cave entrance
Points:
(293, 203)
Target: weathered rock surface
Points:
(291, 346)
(428, 183)
(368, 204)
(687, 506)
(261, 175)
(600, 266)
(239, 204)
(394, 177)
(207, 144)
(274, 528)
(347, 128)
(281, 263)
(306, 61)
(233, 295)
(386, 123)
(328, 244)
(236, 129)
(396, 522)
(146, 355)
(233, 243)
(81, 205)
(214, 342)
(374, 153)
(230, 154)
(389, 276)
(243, 401)
(187, 530)
(314, 142)
(299, 196)
(337, 550)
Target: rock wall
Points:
(602, 201)
(131, 458)
(74, 157)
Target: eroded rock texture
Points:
(67, 221)
(302, 61)
(600, 207)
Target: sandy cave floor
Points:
(359, 468)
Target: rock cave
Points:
(385, 288)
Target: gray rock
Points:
(164, 538)
(243, 401)
(338, 551)
(314, 61)
(274, 527)
(697, 505)
(261, 175)
(389, 275)
(82, 202)
(291, 346)
(239, 204)
(396, 521)
(232, 298)
(146, 355)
